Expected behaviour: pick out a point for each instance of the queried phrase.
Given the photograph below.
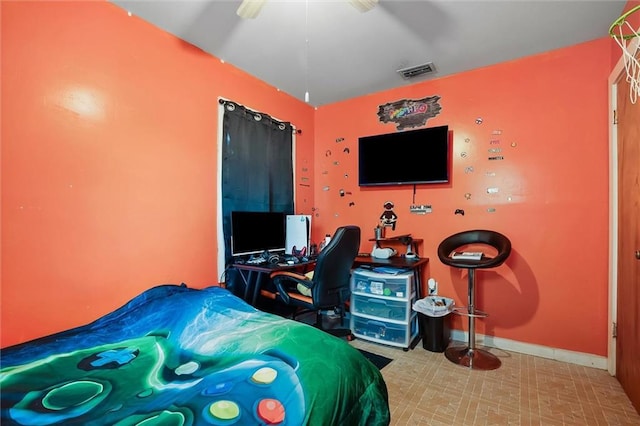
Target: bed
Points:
(174, 355)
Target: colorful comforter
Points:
(180, 356)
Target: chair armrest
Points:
(279, 278)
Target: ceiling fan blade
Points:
(363, 5)
(249, 9)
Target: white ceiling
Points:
(352, 54)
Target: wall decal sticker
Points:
(388, 218)
(409, 112)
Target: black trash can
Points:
(434, 331)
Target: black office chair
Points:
(329, 286)
(469, 355)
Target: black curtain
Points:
(257, 165)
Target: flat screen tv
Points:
(255, 232)
(404, 158)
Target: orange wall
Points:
(109, 169)
(109, 130)
(553, 189)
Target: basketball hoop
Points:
(628, 39)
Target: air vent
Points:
(412, 72)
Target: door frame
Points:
(616, 74)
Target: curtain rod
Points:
(230, 105)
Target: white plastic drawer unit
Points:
(384, 331)
(399, 286)
(393, 310)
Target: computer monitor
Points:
(257, 232)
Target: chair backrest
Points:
(477, 236)
(333, 267)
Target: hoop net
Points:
(628, 39)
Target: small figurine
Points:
(388, 217)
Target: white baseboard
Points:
(579, 358)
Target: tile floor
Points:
(427, 389)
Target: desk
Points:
(257, 274)
(254, 276)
